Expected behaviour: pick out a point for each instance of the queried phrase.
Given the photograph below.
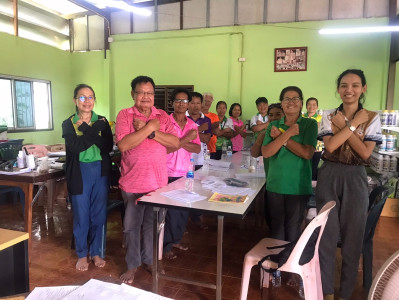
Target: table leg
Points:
(219, 259)
(155, 243)
(28, 190)
(50, 184)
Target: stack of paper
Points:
(93, 289)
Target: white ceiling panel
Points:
(344, 9)
(377, 8)
(280, 11)
(312, 10)
(169, 16)
(222, 13)
(120, 22)
(194, 15)
(96, 32)
(144, 24)
(250, 11)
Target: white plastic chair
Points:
(309, 272)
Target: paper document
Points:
(16, 172)
(51, 292)
(183, 196)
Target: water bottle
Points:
(301, 289)
(229, 153)
(276, 278)
(207, 157)
(190, 177)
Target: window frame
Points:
(12, 79)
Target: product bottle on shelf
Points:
(386, 163)
(383, 145)
(276, 278)
(190, 177)
(394, 164)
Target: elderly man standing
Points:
(206, 105)
(143, 135)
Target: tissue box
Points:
(56, 147)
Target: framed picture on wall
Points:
(290, 59)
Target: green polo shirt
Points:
(92, 153)
(288, 173)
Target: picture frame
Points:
(290, 59)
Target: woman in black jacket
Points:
(88, 141)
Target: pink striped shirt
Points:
(143, 168)
(178, 161)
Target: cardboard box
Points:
(56, 147)
(391, 208)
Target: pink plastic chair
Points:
(309, 272)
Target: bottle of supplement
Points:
(190, 177)
(380, 162)
(229, 153)
(386, 163)
(383, 145)
(276, 278)
(389, 142)
(394, 164)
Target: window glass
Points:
(26, 104)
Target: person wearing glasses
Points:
(177, 164)
(143, 134)
(289, 144)
(88, 141)
(350, 134)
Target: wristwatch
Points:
(152, 135)
(285, 144)
(351, 128)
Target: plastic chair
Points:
(16, 191)
(309, 271)
(377, 200)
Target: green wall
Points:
(206, 58)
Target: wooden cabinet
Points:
(14, 264)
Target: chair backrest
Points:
(317, 224)
(377, 200)
(385, 283)
(36, 150)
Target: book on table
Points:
(224, 198)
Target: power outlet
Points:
(241, 59)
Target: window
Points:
(162, 96)
(26, 104)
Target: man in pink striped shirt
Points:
(143, 134)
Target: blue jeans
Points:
(90, 210)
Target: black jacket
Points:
(75, 144)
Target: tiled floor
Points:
(53, 262)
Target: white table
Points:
(256, 181)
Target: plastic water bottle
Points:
(229, 153)
(276, 278)
(224, 149)
(301, 289)
(190, 177)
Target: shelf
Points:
(392, 128)
(390, 153)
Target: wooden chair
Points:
(308, 270)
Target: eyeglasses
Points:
(293, 99)
(181, 101)
(84, 98)
(141, 93)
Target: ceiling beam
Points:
(101, 12)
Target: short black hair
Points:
(180, 90)
(261, 100)
(291, 88)
(232, 107)
(274, 105)
(312, 98)
(82, 86)
(221, 102)
(141, 79)
(198, 95)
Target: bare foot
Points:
(128, 276)
(98, 261)
(148, 268)
(82, 264)
(170, 255)
(180, 247)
